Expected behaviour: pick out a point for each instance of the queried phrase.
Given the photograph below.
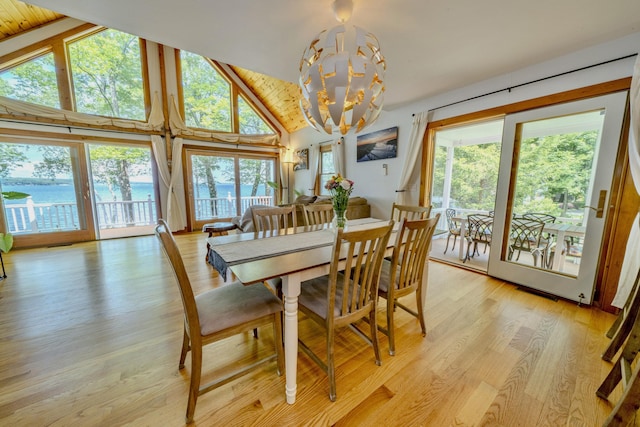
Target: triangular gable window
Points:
(32, 81)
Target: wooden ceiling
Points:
(280, 97)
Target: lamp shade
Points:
(342, 80)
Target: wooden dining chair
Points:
(273, 221)
(625, 370)
(348, 293)
(410, 212)
(404, 274)
(318, 214)
(218, 314)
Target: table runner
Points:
(225, 255)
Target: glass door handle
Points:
(601, 200)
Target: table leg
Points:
(559, 256)
(463, 240)
(290, 291)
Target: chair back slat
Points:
(317, 214)
(361, 252)
(410, 212)
(192, 323)
(410, 253)
(273, 221)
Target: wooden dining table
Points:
(301, 254)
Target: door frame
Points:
(607, 250)
(578, 288)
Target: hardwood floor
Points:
(90, 334)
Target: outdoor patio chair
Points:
(454, 228)
(479, 230)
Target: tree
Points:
(11, 157)
(207, 95)
(32, 81)
(114, 166)
(107, 75)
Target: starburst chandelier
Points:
(342, 76)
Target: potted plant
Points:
(6, 239)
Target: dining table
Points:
(301, 254)
(562, 232)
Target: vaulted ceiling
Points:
(431, 47)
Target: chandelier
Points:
(342, 76)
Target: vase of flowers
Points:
(340, 189)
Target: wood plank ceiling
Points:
(280, 97)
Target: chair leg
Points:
(194, 386)
(391, 306)
(185, 349)
(278, 342)
(421, 311)
(374, 335)
(331, 369)
(447, 246)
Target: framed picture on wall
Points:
(382, 144)
(301, 159)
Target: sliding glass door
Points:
(222, 185)
(46, 193)
(555, 175)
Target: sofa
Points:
(358, 207)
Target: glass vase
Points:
(339, 219)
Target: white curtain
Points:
(179, 128)
(420, 122)
(168, 198)
(176, 213)
(631, 261)
(337, 148)
(314, 164)
(22, 110)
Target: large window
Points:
(250, 122)
(327, 168)
(206, 93)
(32, 81)
(223, 185)
(107, 75)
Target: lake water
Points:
(64, 193)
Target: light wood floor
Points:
(90, 334)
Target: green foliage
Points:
(549, 169)
(32, 81)
(6, 242)
(207, 95)
(14, 195)
(107, 75)
(250, 122)
(11, 157)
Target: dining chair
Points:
(404, 274)
(479, 230)
(218, 314)
(318, 214)
(526, 235)
(347, 294)
(273, 221)
(626, 370)
(454, 228)
(410, 212)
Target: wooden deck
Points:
(90, 336)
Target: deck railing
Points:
(33, 217)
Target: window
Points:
(250, 122)
(33, 81)
(224, 185)
(107, 75)
(327, 169)
(206, 94)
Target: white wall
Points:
(370, 182)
